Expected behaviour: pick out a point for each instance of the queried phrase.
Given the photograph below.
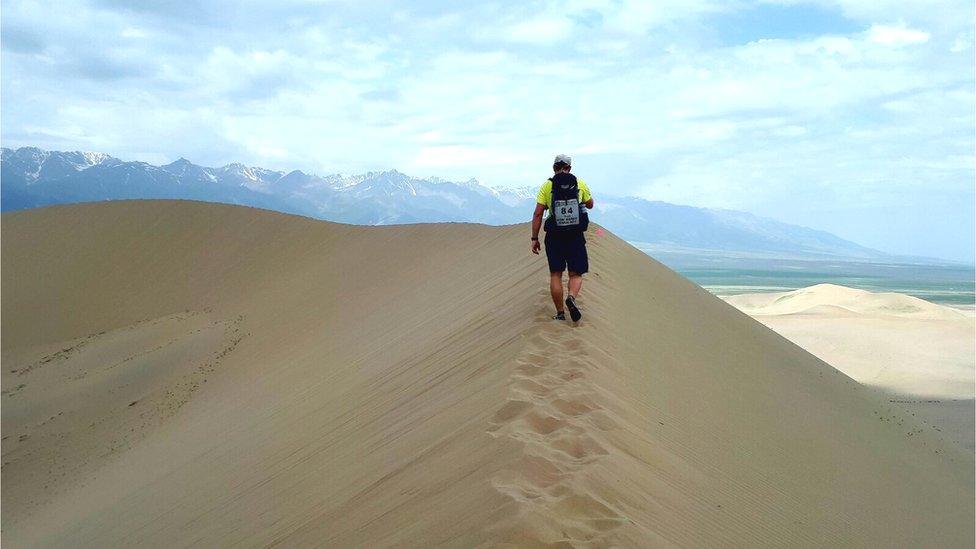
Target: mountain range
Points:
(32, 177)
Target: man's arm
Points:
(537, 219)
(536, 225)
(585, 193)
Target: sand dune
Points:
(921, 354)
(894, 341)
(835, 299)
(180, 373)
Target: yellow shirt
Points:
(545, 193)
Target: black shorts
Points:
(567, 250)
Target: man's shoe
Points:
(560, 316)
(574, 311)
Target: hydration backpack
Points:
(567, 214)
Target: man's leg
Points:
(578, 264)
(556, 289)
(575, 283)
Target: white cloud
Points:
(644, 95)
(543, 30)
(462, 156)
(962, 43)
(943, 14)
(133, 32)
(637, 17)
(896, 35)
(789, 131)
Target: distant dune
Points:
(923, 355)
(841, 298)
(180, 373)
(889, 340)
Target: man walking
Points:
(567, 199)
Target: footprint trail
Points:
(554, 411)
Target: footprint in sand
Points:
(529, 387)
(540, 472)
(538, 342)
(574, 406)
(543, 424)
(534, 476)
(576, 346)
(571, 375)
(516, 491)
(576, 518)
(530, 370)
(511, 410)
(553, 411)
(535, 359)
(552, 339)
(580, 447)
(575, 362)
(586, 508)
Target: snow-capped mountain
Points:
(36, 164)
(31, 177)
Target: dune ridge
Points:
(834, 298)
(404, 386)
(553, 410)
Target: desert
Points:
(920, 355)
(179, 373)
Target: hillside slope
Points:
(184, 373)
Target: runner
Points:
(567, 199)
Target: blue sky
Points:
(853, 116)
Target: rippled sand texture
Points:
(180, 373)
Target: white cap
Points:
(565, 159)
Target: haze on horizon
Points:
(851, 116)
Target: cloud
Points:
(896, 35)
(948, 15)
(105, 67)
(542, 30)
(961, 43)
(463, 156)
(647, 97)
(133, 32)
(19, 39)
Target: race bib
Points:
(566, 212)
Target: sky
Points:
(853, 116)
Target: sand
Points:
(180, 373)
(921, 355)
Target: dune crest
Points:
(821, 297)
(404, 386)
(554, 410)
